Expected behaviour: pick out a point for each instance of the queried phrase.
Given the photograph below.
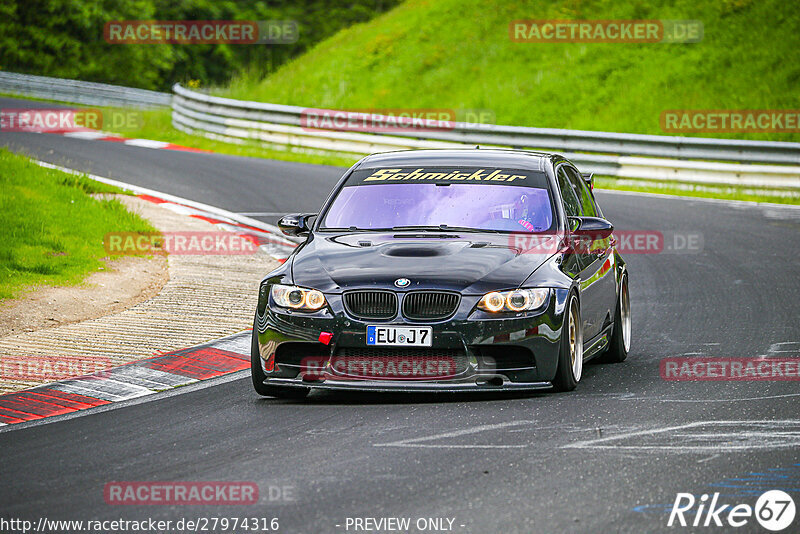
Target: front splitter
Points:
(408, 386)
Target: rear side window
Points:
(588, 206)
(571, 204)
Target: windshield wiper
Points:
(441, 227)
(352, 229)
(444, 228)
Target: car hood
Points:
(471, 263)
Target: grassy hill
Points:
(457, 54)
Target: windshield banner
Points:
(442, 175)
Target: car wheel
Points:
(258, 377)
(621, 333)
(570, 360)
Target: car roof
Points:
(460, 157)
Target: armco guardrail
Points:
(78, 92)
(655, 157)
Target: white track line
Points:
(146, 143)
(86, 135)
(680, 446)
(416, 442)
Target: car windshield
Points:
(503, 208)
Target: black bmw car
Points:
(445, 270)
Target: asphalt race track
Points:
(609, 457)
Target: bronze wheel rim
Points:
(575, 341)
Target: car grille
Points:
(399, 363)
(371, 304)
(427, 305)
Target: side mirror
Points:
(588, 178)
(296, 225)
(590, 227)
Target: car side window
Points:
(588, 206)
(572, 206)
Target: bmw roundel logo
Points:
(402, 282)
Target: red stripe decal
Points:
(24, 404)
(207, 219)
(186, 149)
(87, 402)
(253, 228)
(259, 231)
(44, 401)
(9, 420)
(15, 414)
(55, 404)
(152, 199)
(38, 403)
(200, 363)
(10, 412)
(35, 395)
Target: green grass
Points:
(457, 54)
(51, 229)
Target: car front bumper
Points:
(508, 352)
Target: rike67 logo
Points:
(774, 510)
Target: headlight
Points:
(297, 298)
(513, 301)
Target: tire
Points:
(620, 342)
(258, 377)
(570, 359)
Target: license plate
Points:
(400, 336)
